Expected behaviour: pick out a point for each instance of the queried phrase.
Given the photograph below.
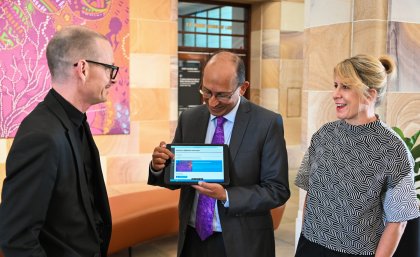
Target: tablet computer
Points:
(197, 162)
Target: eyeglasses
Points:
(222, 96)
(114, 69)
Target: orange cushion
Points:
(142, 216)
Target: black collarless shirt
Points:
(82, 132)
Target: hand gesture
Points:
(211, 189)
(160, 156)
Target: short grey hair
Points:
(68, 46)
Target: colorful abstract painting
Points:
(25, 29)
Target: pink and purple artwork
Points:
(26, 26)
(184, 165)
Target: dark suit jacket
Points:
(45, 209)
(258, 178)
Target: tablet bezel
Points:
(226, 164)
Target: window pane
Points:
(213, 41)
(238, 43)
(214, 13)
(226, 27)
(238, 13)
(189, 40)
(202, 14)
(236, 28)
(201, 41)
(180, 24)
(214, 26)
(226, 42)
(179, 39)
(226, 12)
(189, 24)
(232, 42)
(200, 25)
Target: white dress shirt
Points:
(227, 129)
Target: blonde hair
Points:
(365, 72)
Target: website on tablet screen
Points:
(197, 163)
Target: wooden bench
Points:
(142, 216)
(146, 215)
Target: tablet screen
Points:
(194, 163)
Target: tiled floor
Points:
(284, 235)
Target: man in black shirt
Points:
(54, 200)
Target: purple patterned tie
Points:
(205, 205)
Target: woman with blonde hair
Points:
(357, 171)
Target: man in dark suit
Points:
(241, 223)
(54, 200)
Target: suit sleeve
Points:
(270, 187)
(31, 170)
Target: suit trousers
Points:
(307, 248)
(213, 246)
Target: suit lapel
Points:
(55, 107)
(202, 123)
(240, 126)
(104, 205)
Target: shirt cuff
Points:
(226, 203)
(154, 172)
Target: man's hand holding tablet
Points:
(160, 156)
(192, 163)
(214, 190)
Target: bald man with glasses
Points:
(54, 200)
(237, 219)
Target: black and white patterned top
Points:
(357, 178)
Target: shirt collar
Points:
(231, 115)
(72, 112)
